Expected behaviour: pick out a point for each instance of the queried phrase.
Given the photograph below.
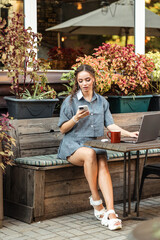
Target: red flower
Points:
(41, 88)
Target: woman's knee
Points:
(83, 155)
(90, 155)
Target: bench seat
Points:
(43, 160)
(52, 160)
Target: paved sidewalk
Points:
(79, 226)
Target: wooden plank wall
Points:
(36, 136)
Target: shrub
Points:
(119, 69)
(6, 152)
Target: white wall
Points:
(30, 11)
(139, 26)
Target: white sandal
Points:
(111, 223)
(98, 214)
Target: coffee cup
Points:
(115, 136)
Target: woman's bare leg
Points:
(87, 158)
(105, 183)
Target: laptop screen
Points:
(150, 127)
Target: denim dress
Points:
(88, 128)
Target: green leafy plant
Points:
(155, 57)
(40, 90)
(69, 78)
(7, 141)
(119, 70)
(18, 48)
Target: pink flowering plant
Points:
(119, 70)
(103, 80)
(18, 49)
(7, 141)
(155, 85)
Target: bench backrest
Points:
(42, 136)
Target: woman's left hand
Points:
(134, 134)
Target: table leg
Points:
(137, 183)
(129, 182)
(124, 187)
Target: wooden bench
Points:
(39, 186)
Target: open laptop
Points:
(149, 129)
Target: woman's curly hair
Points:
(83, 67)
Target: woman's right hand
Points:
(67, 126)
(81, 114)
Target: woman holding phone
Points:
(83, 116)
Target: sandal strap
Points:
(110, 212)
(100, 213)
(111, 223)
(95, 203)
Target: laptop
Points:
(149, 129)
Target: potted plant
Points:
(68, 79)
(155, 84)
(101, 71)
(69, 83)
(6, 154)
(18, 54)
(121, 75)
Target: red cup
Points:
(115, 136)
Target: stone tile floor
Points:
(79, 226)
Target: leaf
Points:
(4, 56)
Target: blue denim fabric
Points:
(87, 128)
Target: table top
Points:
(122, 146)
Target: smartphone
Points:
(83, 107)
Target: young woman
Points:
(78, 126)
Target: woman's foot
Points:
(99, 210)
(111, 220)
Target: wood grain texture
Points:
(124, 147)
(67, 204)
(18, 211)
(64, 188)
(38, 125)
(39, 188)
(38, 151)
(39, 140)
(63, 174)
